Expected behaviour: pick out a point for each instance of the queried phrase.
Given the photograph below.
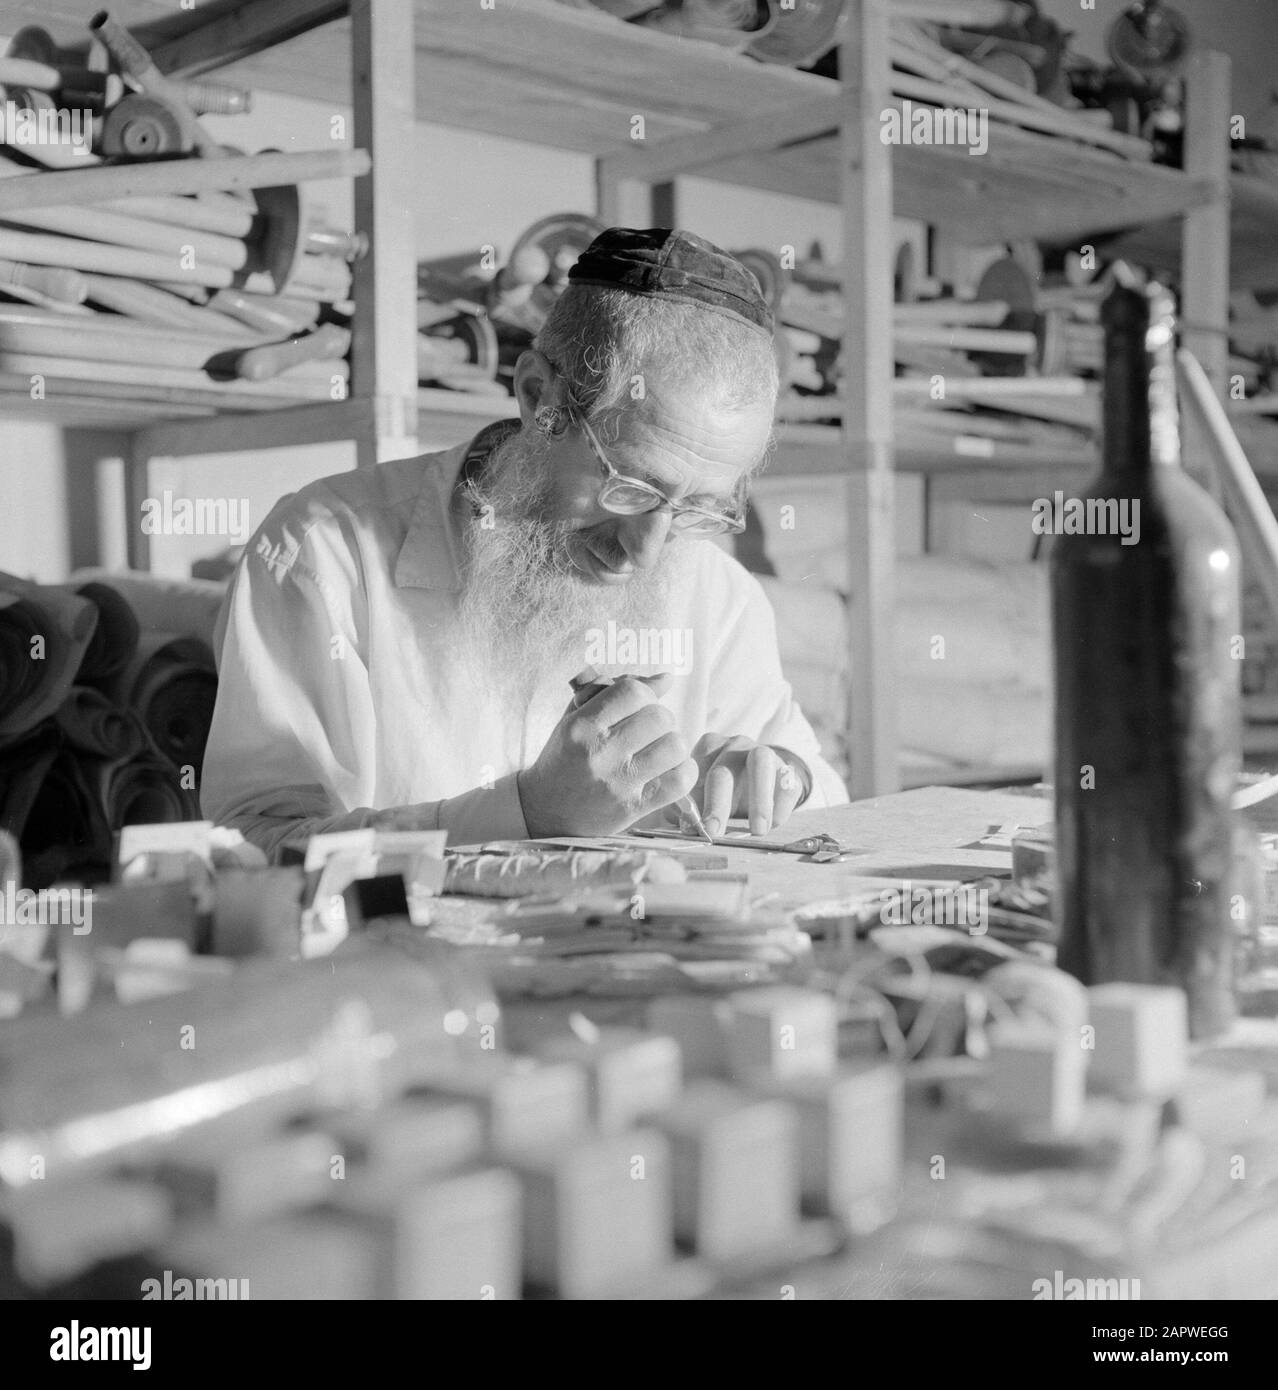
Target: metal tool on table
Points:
(821, 848)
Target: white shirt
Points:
(334, 701)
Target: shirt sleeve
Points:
(292, 749)
(751, 696)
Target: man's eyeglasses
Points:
(626, 496)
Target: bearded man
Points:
(398, 642)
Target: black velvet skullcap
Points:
(675, 265)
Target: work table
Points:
(1187, 1210)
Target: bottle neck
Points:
(1141, 422)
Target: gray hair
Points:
(602, 339)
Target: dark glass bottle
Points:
(1148, 721)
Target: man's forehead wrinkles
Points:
(682, 476)
(709, 445)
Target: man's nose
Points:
(643, 536)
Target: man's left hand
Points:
(742, 778)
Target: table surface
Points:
(930, 834)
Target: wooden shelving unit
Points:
(380, 413)
(576, 79)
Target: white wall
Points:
(34, 540)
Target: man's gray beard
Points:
(526, 610)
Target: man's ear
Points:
(535, 386)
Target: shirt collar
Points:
(429, 557)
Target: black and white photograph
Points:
(638, 663)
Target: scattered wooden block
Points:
(784, 1031)
(124, 912)
(460, 1237)
(597, 1213)
(257, 912)
(366, 899)
(735, 1164)
(523, 1102)
(21, 983)
(699, 1023)
(632, 1074)
(308, 1255)
(151, 967)
(1033, 853)
(416, 854)
(406, 1139)
(235, 1176)
(165, 846)
(1219, 1104)
(61, 1229)
(851, 1140)
(1037, 1078)
(450, 1236)
(77, 974)
(1141, 1039)
(701, 899)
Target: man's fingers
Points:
(670, 786)
(708, 747)
(718, 792)
(636, 731)
(658, 684)
(788, 791)
(618, 701)
(657, 758)
(761, 768)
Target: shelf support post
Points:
(137, 488)
(384, 351)
(618, 196)
(867, 258)
(1204, 278)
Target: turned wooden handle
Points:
(103, 183)
(59, 283)
(262, 363)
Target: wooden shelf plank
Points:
(75, 411)
(817, 450)
(178, 429)
(444, 418)
(1027, 185)
(1253, 219)
(199, 41)
(267, 429)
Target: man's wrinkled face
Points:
(674, 443)
(546, 564)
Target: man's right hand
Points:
(611, 760)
